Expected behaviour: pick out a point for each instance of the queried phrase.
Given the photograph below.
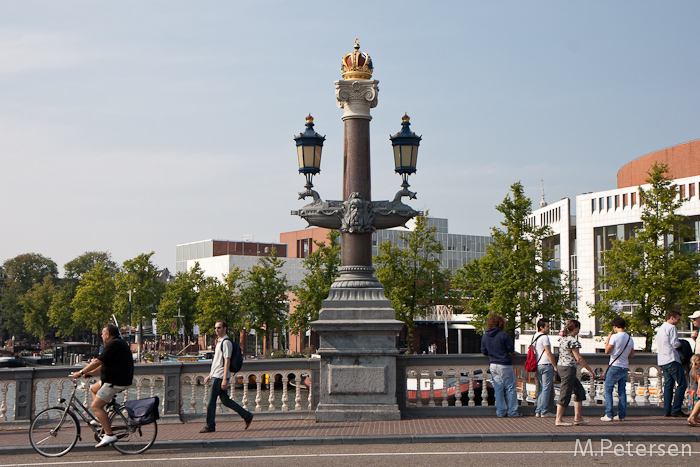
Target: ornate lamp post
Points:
(357, 326)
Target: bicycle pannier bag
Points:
(143, 411)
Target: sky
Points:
(133, 126)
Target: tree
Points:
(651, 270)
(413, 277)
(140, 276)
(514, 278)
(36, 303)
(12, 310)
(221, 300)
(78, 267)
(61, 312)
(181, 295)
(321, 271)
(29, 269)
(94, 299)
(264, 296)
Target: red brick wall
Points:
(683, 161)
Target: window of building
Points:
(682, 191)
(593, 205)
(617, 201)
(691, 190)
(633, 199)
(624, 200)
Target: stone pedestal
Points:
(357, 332)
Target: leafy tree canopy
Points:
(264, 296)
(29, 269)
(651, 271)
(321, 271)
(412, 276)
(138, 275)
(78, 267)
(221, 300)
(515, 278)
(181, 295)
(94, 299)
(36, 303)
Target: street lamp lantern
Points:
(405, 144)
(309, 147)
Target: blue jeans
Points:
(616, 375)
(216, 392)
(674, 374)
(505, 389)
(545, 378)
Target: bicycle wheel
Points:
(132, 439)
(52, 434)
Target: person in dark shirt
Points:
(116, 365)
(497, 345)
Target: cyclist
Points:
(116, 365)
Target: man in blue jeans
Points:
(498, 346)
(219, 376)
(669, 360)
(546, 366)
(620, 346)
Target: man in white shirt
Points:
(546, 366)
(219, 375)
(620, 346)
(669, 360)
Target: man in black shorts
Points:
(116, 365)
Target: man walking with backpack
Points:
(219, 377)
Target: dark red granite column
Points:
(357, 248)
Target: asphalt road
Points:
(543, 454)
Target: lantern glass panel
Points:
(397, 157)
(317, 157)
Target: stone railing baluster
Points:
(431, 394)
(285, 395)
(271, 389)
(458, 389)
(299, 378)
(258, 391)
(244, 383)
(444, 390)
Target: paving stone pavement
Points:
(412, 430)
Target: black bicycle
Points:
(56, 430)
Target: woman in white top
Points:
(620, 346)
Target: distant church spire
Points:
(543, 203)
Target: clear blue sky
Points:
(133, 126)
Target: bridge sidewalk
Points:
(415, 430)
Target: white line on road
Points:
(287, 456)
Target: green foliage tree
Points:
(515, 278)
(29, 269)
(140, 276)
(36, 303)
(12, 310)
(182, 295)
(321, 270)
(413, 277)
(78, 267)
(264, 297)
(94, 299)
(221, 300)
(61, 311)
(651, 270)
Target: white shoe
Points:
(618, 419)
(95, 423)
(537, 415)
(106, 439)
(546, 415)
(605, 418)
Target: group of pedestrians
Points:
(498, 346)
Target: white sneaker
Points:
(95, 423)
(605, 418)
(546, 415)
(618, 419)
(106, 439)
(537, 415)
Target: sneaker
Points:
(537, 415)
(618, 419)
(248, 421)
(106, 439)
(207, 429)
(605, 418)
(515, 415)
(679, 414)
(546, 415)
(95, 423)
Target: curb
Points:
(397, 439)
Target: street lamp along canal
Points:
(357, 328)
